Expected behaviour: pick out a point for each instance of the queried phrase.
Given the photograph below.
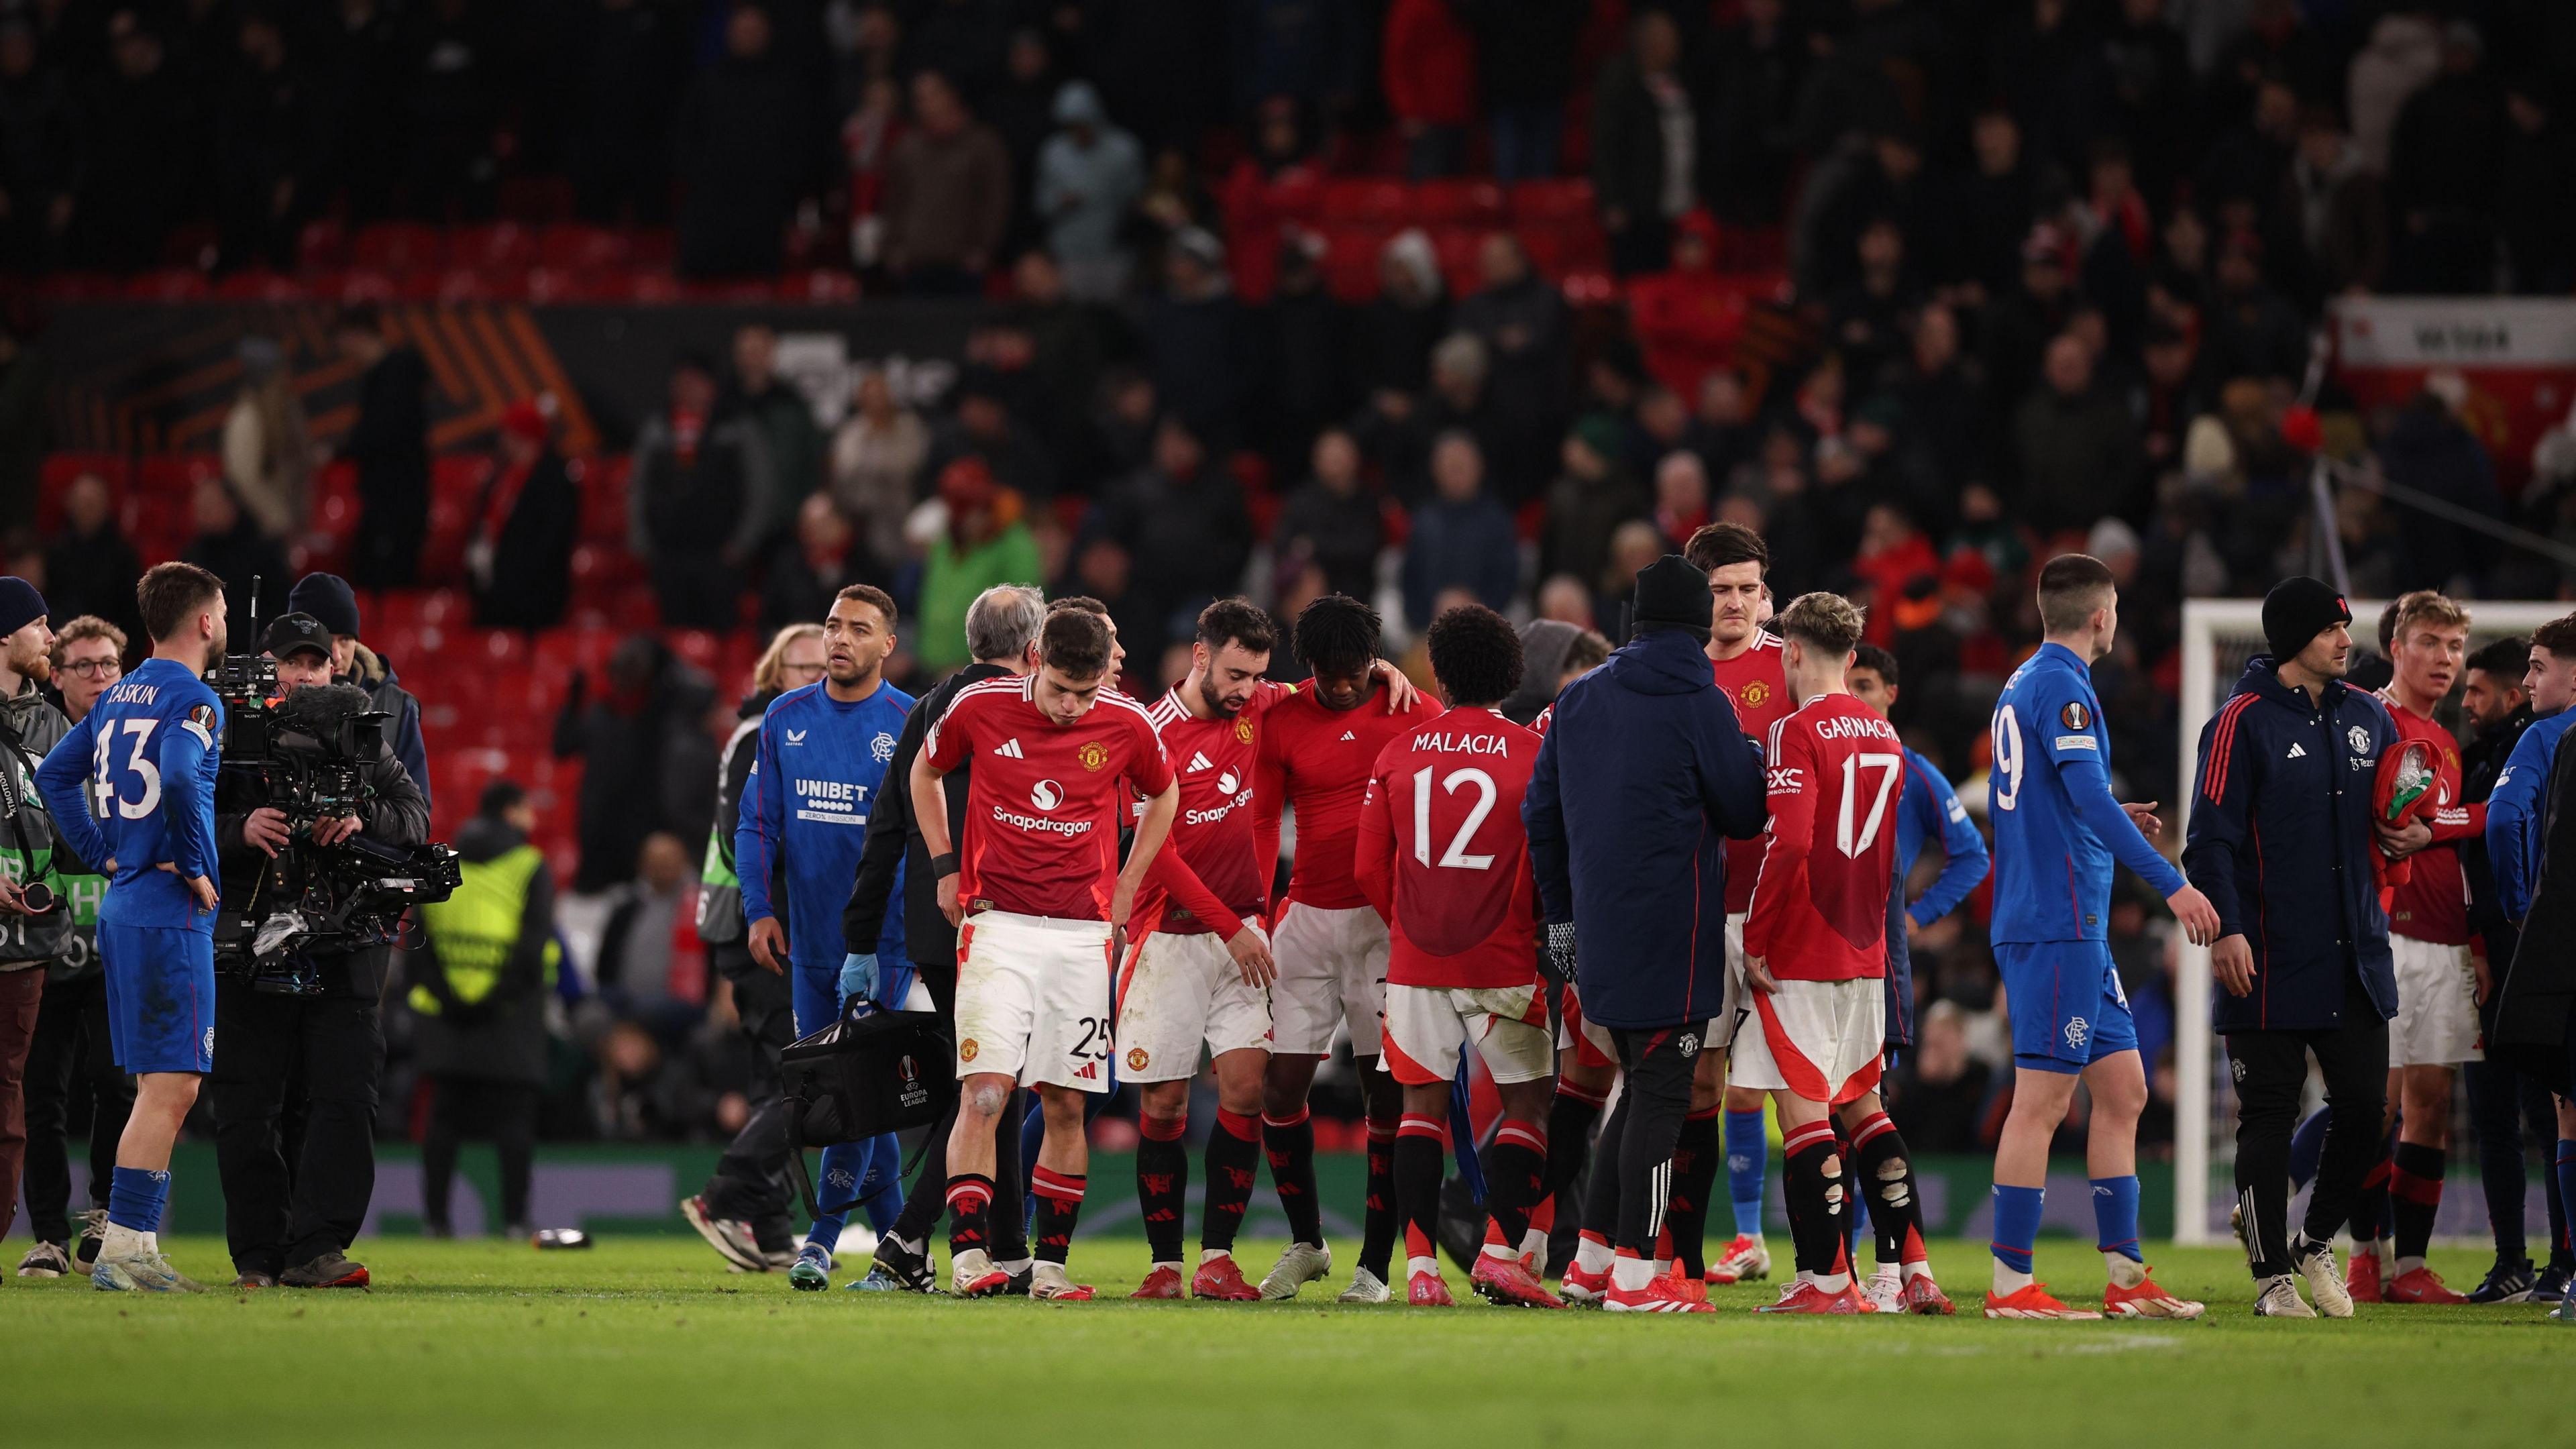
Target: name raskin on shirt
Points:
(1853, 727)
(1463, 744)
(131, 692)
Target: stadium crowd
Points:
(1922, 292)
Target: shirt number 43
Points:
(104, 775)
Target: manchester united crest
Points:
(966, 1050)
(1243, 731)
(1093, 755)
(1136, 1059)
(1756, 694)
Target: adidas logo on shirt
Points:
(1197, 763)
(1010, 749)
(2297, 752)
(1348, 737)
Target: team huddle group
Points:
(1681, 890)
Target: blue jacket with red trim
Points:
(2280, 842)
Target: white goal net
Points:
(2218, 635)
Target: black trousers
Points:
(277, 1215)
(463, 1107)
(1643, 1129)
(2271, 1067)
(71, 1064)
(751, 1181)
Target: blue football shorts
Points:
(2068, 1010)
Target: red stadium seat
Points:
(555, 285)
(323, 243)
(1555, 201)
(1463, 202)
(1364, 199)
(168, 284)
(576, 247)
(501, 246)
(399, 246)
(259, 286)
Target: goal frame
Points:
(2195, 1042)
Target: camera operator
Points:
(291, 1226)
(34, 929)
(72, 1058)
(333, 604)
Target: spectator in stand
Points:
(1462, 538)
(1646, 146)
(1300, 341)
(1022, 111)
(90, 568)
(1522, 320)
(134, 182)
(1681, 496)
(652, 968)
(2442, 170)
(877, 452)
(1944, 396)
(985, 429)
(2253, 330)
(1332, 521)
(1089, 173)
(1565, 599)
(2340, 211)
(948, 195)
(961, 39)
(1941, 1103)
(1307, 51)
(1392, 336)
(2430, 450)
(1071, 345)
(1591, 498)
(697, 500)
(1183, 518)
(1523, 68)
(1757, 73)
(1634, 547)
(809, 571)
(518, 558)
(1428, 64)
(627, 741)
(2019, 324)
(268, 452)
(2075, 450)
(263, 148)
(1867, 315)
(40, 154)
(2536, 188)
(451, 110)
(749, 150)
(329, 600)
(2177, 391)
(617, 145)
(785, 418)
(1998, 202)
(1193, 335)
(982, 539)
(389, 445)
(230, 545)
(1277, 187)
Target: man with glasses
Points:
(70, 1057)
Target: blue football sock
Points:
(2016, 1224)
(1748, 1157)
(135, 1198)
(881, 1188)
(845, 1166)
(2307, 1144)
(2115, 1215)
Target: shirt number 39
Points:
(104, 776)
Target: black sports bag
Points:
(870, 1071)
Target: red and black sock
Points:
(1814, 1189)
(1290, 1143)
(1163, 1184)
(970, 1204)
(1421, 1146)
(2370, 1205)
(1887, 1179)
(2415, 1193)
(1377, 1222)
(1515, 1177)
(1696, 1158)
(1233, 1161)
(1059, 1196)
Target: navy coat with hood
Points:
(2281, 843)
(1644, 770)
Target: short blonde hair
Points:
(773, 660)
(1827, 622)
(2424, 607)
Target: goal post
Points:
(2218, 635)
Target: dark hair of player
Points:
(872, 596)
(1476, 655)
(500, 797)
(2071, 587)
(1716, 545)
(1827, 623)
(1337, 634)
(1075, 643)
(171, 595)
(2504, 658)
(1877, 661)
(1587, 651)
(2558, 636)
(2388, 627)
(1080, 604)
(1237, 621)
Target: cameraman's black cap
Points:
(329, 598)
(292, 632)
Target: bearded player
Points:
(1038, 894)
(1198, 968)
(1445, 861)
(1316, 751)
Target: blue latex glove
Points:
(858, 977)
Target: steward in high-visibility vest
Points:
(480, 979)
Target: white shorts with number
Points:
(1428, 1026)
(1819, 1039)
(2437, 1005)
(1033, 1000)
(1721, 1029)
(1176, 991)
(1332, 968)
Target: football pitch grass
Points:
(649, 1341)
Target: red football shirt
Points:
(1041, 836)
(1316, 760)
(2432, 903)
(1215, 871)
(1836, 780)
(1756, 685)
(1443, 857)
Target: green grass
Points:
(648, 1341)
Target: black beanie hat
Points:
(328, 598)
(20, 604)
(2297, 610)
(1672, 594)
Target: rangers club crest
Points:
(881, 749)
(2075, 716)
(1093, 755)
(1136, 1059)
(2076, 1030)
